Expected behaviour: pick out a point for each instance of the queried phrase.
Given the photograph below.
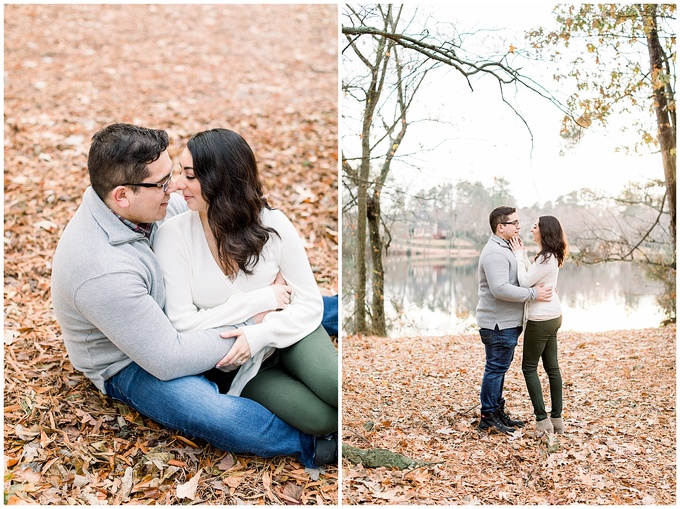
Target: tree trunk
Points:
(379, 326)
(360, 292)
(662, 105)
(372, 97)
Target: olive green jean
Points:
(299, 384)
(540, 343)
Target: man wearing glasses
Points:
(500, 314)
(108, 295)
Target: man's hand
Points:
(282, 294)
(239, 353)
(543, 294)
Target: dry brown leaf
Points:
(188, 489)
(619, 393)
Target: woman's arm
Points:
(528, 277)
(303, 314)
(528, 274)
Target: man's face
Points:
(509, 228)
(150, 204)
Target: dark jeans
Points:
(330, 315)
(500, 350)
(194, 406)
(540, 342)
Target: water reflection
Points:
(437, 297)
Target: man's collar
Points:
(117, 232)
(143, 228)
(500, 241)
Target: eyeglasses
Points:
(516, 222)
(163, 185)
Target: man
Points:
(500, 314)
(108, 295)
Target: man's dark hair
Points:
(120, 153)
(500, 215)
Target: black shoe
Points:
(326, 449)
(505, 418)
(492, 422)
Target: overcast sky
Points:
(480, 137)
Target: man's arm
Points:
(497, 270)
(119, 305)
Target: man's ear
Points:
(119, 197)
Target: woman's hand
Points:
(516, 243)
(239, 353)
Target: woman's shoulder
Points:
(547, 259)
(273, 217)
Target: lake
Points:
(429, 297)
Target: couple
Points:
(240, 360)
(507, 280)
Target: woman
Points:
(232, 259)
(543, 319)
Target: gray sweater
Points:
(501, 299)
(108, 295)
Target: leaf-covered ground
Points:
(268, 72)
(419, 397)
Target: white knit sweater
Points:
(531, 274)
(200, 296)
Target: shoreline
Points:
(476, 334)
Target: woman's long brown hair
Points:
(553, 241)
(225, 166)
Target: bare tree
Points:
(387, 95)
(385, 62)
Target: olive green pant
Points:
(540, 342)
(299, 384)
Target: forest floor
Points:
(71, 70)
(419, 397)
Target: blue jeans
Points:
(194, 406)
(500, 350)
(330, 315)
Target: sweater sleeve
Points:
(497, 270)
(529, 277)
(174, 248)
(303, 314)
(139, 328)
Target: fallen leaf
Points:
(226, 463)
(188, 489)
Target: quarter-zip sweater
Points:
(108, 295)
(501, 299)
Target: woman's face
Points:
(188, 184)
(536, 233)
